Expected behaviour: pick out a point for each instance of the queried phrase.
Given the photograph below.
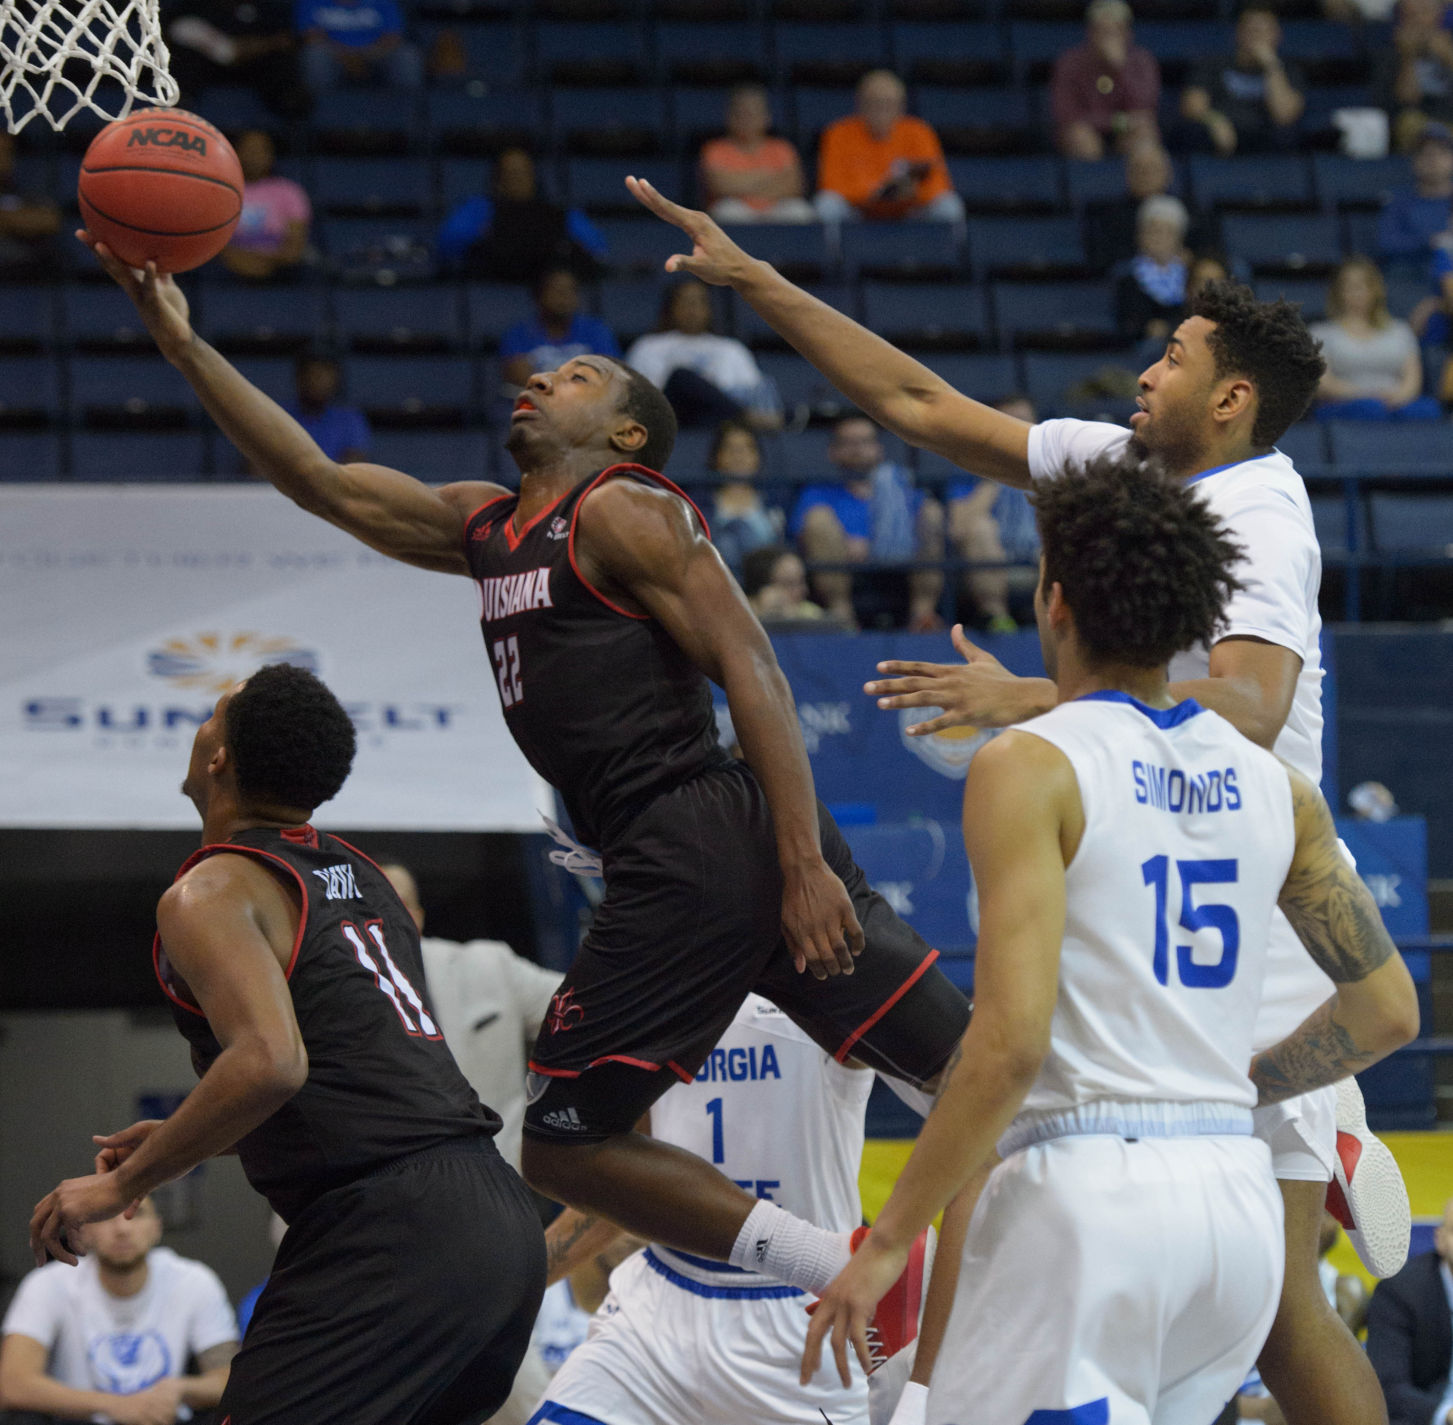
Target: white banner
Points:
(125, 611)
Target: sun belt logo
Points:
(564, 1012)
(948, 752)
(214, 662)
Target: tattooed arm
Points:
(1375, 1009)
(573, 1239)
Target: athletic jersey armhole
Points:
(1079, 788)
(649, 477)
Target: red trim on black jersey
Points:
(303, 835)
(553, 1073)
(205, 853)
(610, 472)
(680, 1072)
(512, 539)
(474, 514)
(867, 1024)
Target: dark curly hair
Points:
(646, 403)
(1269, 344)
(292, 744)
(1144, 565)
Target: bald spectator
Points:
(881, 163)
(111, 1339)
(1104, 92)
(1249, 101)
(749, 176)
(1410, 1334)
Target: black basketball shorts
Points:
(403, 1298)
(690, 924)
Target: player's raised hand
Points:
(162, 304)
(979, 692)
(847, 1306)
(714, 257)
(818, 921)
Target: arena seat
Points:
(710, 52)
(367, 121)
(1392, 447)
(797, 249)
(492, 308)
(356, 187)
(152, 457)
(421, 317)
(949, 52)
(926, 313)
(1050, 376)
(1025, 245)
(494, 49)
(137, 392)
(1359, 232)
(688, 460)
(630, 306)
(1283, 242)
(984, 375)
(102, 318)
(825, 53)
(590, 52)
(1343, 182)
(1278, 180)
(276, 376)
(1309, 293)
(30, 391)
(1305, 445)
(637, 244)
(233, 108)
(970, 119)
(750, 328)
(1034, 45)
(900, 249)
(461, 121)
(29, 316)
(1329, 519)
(261, 318)
(414, 390)
(1054, 314)
(435, 455)
(999, 182)
(798, 382)
(1408, 523)
(616, 122)
(599, 183)
(387, 248)
(813, 109)
(30, 455)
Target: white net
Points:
(58, 57)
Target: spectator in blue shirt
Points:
(514, 234)
(356, 42)
(1417, 215)
(869, 511)
(558, 332)
(341, 431)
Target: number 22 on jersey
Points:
(507, 670)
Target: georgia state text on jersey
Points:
(601, 701)
(381, 1082)
(1188, 837)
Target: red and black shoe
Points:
(1366, 1194)
(894, 1326)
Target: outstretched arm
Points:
(893, 388)
(645, 548)
(1025, 804)
(390, 512)
(1375, 1009)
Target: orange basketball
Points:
(162, 186)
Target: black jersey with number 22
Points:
(381, 1082)
(603, 703)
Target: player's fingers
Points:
(645, 194)
(840, 1348)
(915, 698)
(860, 1344)
(937, 724)
(132, 1208)
(853, 930)
(961, 642)
(908, 668)
(812, 1350)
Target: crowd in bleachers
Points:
(1021, 191)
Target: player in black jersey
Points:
(605, 611)
(413, 1264)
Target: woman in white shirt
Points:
(706, 377)
(1374, 369)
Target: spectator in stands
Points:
(340, 430)
(1358, 11)
(748, 176)
(357, 42)
(1110, 222)
(1205, 267)
(708, 378)
(558, 332)
(1374, 369)
(272, 233)
(247, 42)
(774, 580)
(1409, 1341)
(514, 233)
(740, 522)
(1413, 76)
(28, 222)
(110, 1339)
(992, 522)
(1249, 101)
(1150, 295)
(1415, 216)
(1104, 92)
(869, 510)
(880, 162)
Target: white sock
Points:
(780, 1245)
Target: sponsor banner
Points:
(125, 611)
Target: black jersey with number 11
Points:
(601, 700)
(381, 1082)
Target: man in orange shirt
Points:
(880, 163)
(749, 176)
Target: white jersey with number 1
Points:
(1124, 1260)
(681, 1338)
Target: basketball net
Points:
(56, 54)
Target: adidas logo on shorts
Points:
(565, 1118)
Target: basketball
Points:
(161, 186)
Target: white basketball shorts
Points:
(664, 1350)
(1113, 1282)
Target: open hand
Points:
(160, 301)
(818, 922)
(59, 1215)
(979, 692)
(847, 1306)
(714, 258)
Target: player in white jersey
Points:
(1122, 1264)
(681, 1338)
(1234, 376)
